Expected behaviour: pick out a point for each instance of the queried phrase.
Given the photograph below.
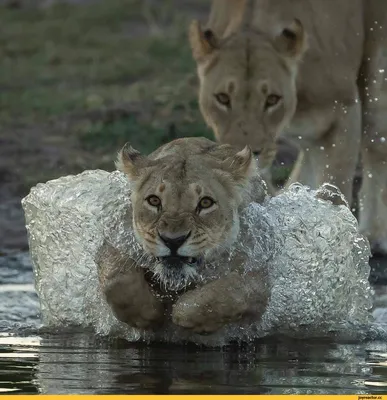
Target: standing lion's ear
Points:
(130, 161)
(242, 165)
(292, 41)
(202, 42)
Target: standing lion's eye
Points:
(223, 99)
(153, 201)
(205, 202)
(272, 100)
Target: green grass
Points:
(101, 74)
(76, 58)
(144, 137)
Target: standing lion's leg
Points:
(303, 170)
(335, 154)
(373, 193)
(268, 179)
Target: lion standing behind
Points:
(309, 69)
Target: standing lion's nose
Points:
(173, 243)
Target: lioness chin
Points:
(186, 198)
(311, 70)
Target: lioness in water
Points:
(186, 203)
(312, 70)
(186, 200)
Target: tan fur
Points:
(145, 295)
(324, 59)
(180, 174)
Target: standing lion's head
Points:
(248, 83)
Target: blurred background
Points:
(79, 78)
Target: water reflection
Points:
(18, 370)
(78, 363)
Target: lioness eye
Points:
(223, 99)
(153, 200)
(272, 100)
(206, 202)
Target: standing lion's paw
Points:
(133, 303)
(329, 192)
(205, 312)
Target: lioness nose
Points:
(173, 243)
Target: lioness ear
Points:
(242, 165)
(292, 40)
(130, 161)
(202, 42)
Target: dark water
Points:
(32, 361)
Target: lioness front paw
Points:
(133, 302)
(126, 290)
(206, 310)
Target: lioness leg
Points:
(373, 193)
(126, 289)
(226, 300)
(335, 154)
(303, 170)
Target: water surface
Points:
(34, 361)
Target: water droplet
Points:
(382, 139)
(300, 137)
(322, 147)
(381, 71)
(369, 175)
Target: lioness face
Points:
(248, 85)
(185, 209)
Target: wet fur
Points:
(140, 292)
(180, 173)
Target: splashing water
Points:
(315, 258)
